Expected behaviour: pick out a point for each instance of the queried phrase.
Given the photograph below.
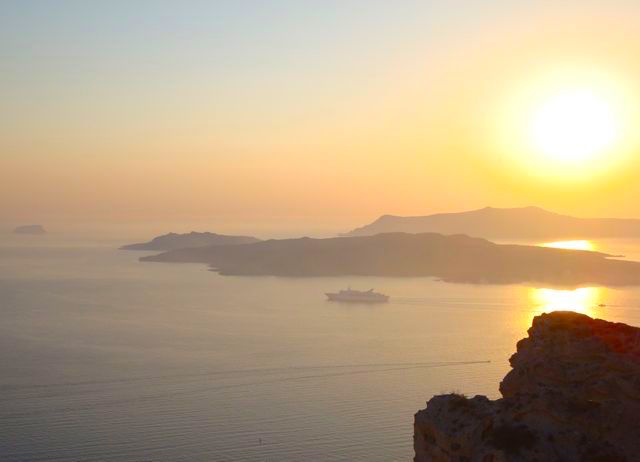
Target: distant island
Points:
(30, 229)
(174, 241)
(456, 258)
(514, 223)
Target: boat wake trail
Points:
(99, 394)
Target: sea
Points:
(105, 358)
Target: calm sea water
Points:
(105, 358)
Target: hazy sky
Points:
(302, 114)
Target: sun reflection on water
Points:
(583, 300)
(571, 245)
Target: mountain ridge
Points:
(529, 222)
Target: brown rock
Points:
(573, 395)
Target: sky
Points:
(318, 116)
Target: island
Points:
(572, 395)
(30, 229)
(456, 258)
(193, 239)
(506, 223)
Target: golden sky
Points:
(316, 115)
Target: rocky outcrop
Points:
(573, 395)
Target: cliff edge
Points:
(573, 394)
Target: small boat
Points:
(359, 296)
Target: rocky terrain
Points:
(573, 394)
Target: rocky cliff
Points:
(573, 395)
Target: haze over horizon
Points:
(250, 230)
(274, 117)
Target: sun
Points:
(565, 125)
(574, 126)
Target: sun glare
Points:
(574, 126)
(568, 124)
(583, 300)
(571, 245)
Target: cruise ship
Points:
(360, 296)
